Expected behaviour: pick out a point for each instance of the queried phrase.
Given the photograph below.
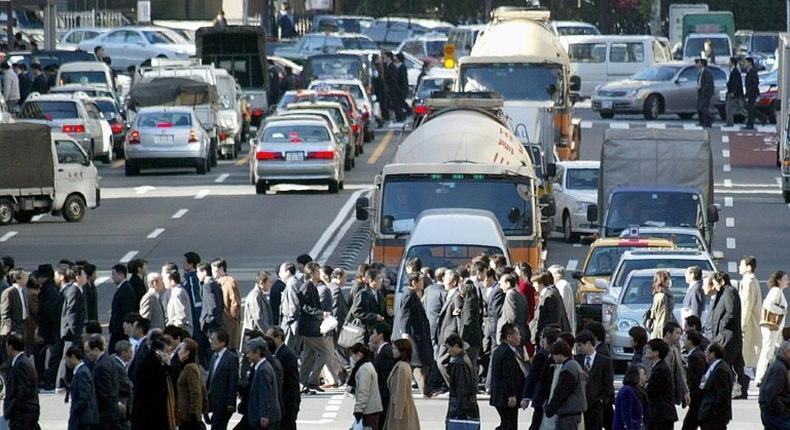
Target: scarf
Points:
(352, 379)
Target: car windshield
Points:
(429, 85)
(83, 78)
(630, 265)
(695, 46)
(49, 110)
(680, 240)
(289, 98)
(603, 259)
(582, 179)
(765, 44)
(508, 80)
(295, 134)
(639, 290)
(158, 37)
(333, 67)
(435, 48)
(107, 107)
(577, 30)
(656, 73)
(654, 209)
(164, 119)
(406, 197)
(358, 43)
(435, 256)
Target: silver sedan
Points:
(166, 137)
(665, 88)
(301, 151)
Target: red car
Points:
(354, 115)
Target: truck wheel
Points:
(73, 209)
(567, 229)
(652, 107)
(785, 194)
(334, 186)
(6, 211)
(23, 216)
(202, 166)
(261, 187)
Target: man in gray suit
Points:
(151, 305)
(263, 404)
(514, 309)
(14, 310)
(179, 310)
(289, 306)
(433, 298)
(223, 379)
(449, 320)
(257, 308)
(106, 381)
(72, 315)
(83, 413)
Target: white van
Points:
(601, 59)
(93, 73)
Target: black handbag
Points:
(350, 334)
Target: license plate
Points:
(606, 104)
(163, 140)
(294, 156)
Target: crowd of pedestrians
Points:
(185, 350)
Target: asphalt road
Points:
(160, 215)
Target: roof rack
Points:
(509, 13)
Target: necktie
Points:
(588, 363)
(216, 363)
(23, 303)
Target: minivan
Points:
(93, 73)
(601, 59)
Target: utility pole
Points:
(9, 31)
(50, 24)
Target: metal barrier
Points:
(91, 18)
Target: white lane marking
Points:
(38, 217)
(332, 408)
(733, 128)
(586, 124)
(766, 128)
(732, 267)
(620, 125)
(7, 236)
(329, 415)
(179, 213)
(144, 189)
(726, 168)
(691, 127)
(154, 234)
(725, 153)
(128, 256)
(728, 183)
(101, 280)
(337, 222)
(728, 202)
(730, 243)
(221, 178)
(202, 193)
(658, 125)
(335, 402)
(572, 264)
(725, 139)
(778, 180)
(338, 397)
(577, 245)
(729, 221)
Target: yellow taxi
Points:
(600, 262)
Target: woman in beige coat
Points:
(663, 304)
(751, 302)
(401, 414)
(364, 385)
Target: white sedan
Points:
(574, 187)
(131, 46)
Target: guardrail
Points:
(91, 18)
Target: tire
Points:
(108, 158)
(334, 186)
(567, 229)
(652, 107)
(687, 115)
(213, 153)
(606, 115)
(261, 187)
(6, 211)
(131, 170)
(369, 135)
(202, 167)
(73, 208)
(348, 163)
(23, 216)
(786, 195)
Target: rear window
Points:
(295, 134)
(164, 119)
(83, 78)
(337, 99)
(355, 90)
(49, 110)
(107, 107)
(435, 48)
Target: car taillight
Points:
(76, 128)
(268, 155)
(421, 110)
(257, 112)
(134, 137)
(116, 127)
(193, 136)
(354, 128)
(321, 155)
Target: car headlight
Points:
(625, 324)
(592, 298)
(580, 207)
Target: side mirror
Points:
(592, 213)
(548, 205)
(577, 275)
(713, 213)
(362, 208)
(576, 83)
(601, 284)
(608, 300)
(551, 170)
(574, 97)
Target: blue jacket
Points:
(263, 401)
(83, 410)
(628, 410)
(192, 286)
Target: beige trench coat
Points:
(751, 303)
(401, 414)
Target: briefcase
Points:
(456, 424)
(350, 334)
(771, 320)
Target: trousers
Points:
(770, 340)
(508, 418)
(316, 353)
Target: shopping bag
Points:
(349, 335)
(357, 425)
(456, 424)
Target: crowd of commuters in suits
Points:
(184, 350)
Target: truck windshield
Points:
(406, 197)
(668, 262)
(508, 79)
(654, 209)
(582, 179)
(694, 46)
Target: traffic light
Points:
(449, 56)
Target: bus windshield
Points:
(508, 79)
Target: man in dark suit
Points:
(705, 90)
(661, 413)
(124, 301)
(493, 298)
(106, 383)
(72, 317)
(507, 377)
(694, 300)
(263, 404)
(696, 369)
(448, 320)
(119, 361)
(20, 406)
(210, 318)
(538, 381)
(90, 292)
(139, 332)
(734, 102)
(552, 309)
(724, 320)
(599, 387)
(752, 94)
(715, 411)
(48, 319)
(83, 413)
(434, 297)
(139, 269)
(315, 351)
(223, 378)
(383, 361)
(514, 308)
(290, 391)
(470, 324)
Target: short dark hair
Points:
(304, 259)
(90, 269)
(597, 330)
(222, 336)
(192, 258)
(567, 337)
(290, 268)
(415, 264)
(92, 327)
(383, 329)
(276, 332)
(75, 352)
(696, 272)
(454, 340)
(750, 261)
(506, 331)
(142, 323)
(639, 335)
(669, 327)
(631, 376)
(176, 332)
(716, 349)
(203, 267)
(15, 341)
(404, 347)
(120, 268)
(750, 60)
(96, 48)
(551, 333)
(659, 346)
(734, 60)
(131, 317)
(122, 346)
(35, 66)
(174, 276)
(66, 271)
(560, 347)
(361, 348)
(694, 321)
(96, 341)
(220, 262)
(585, 336)
(136, 265)
(7, 261)
(327, 270)
(694, 337)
